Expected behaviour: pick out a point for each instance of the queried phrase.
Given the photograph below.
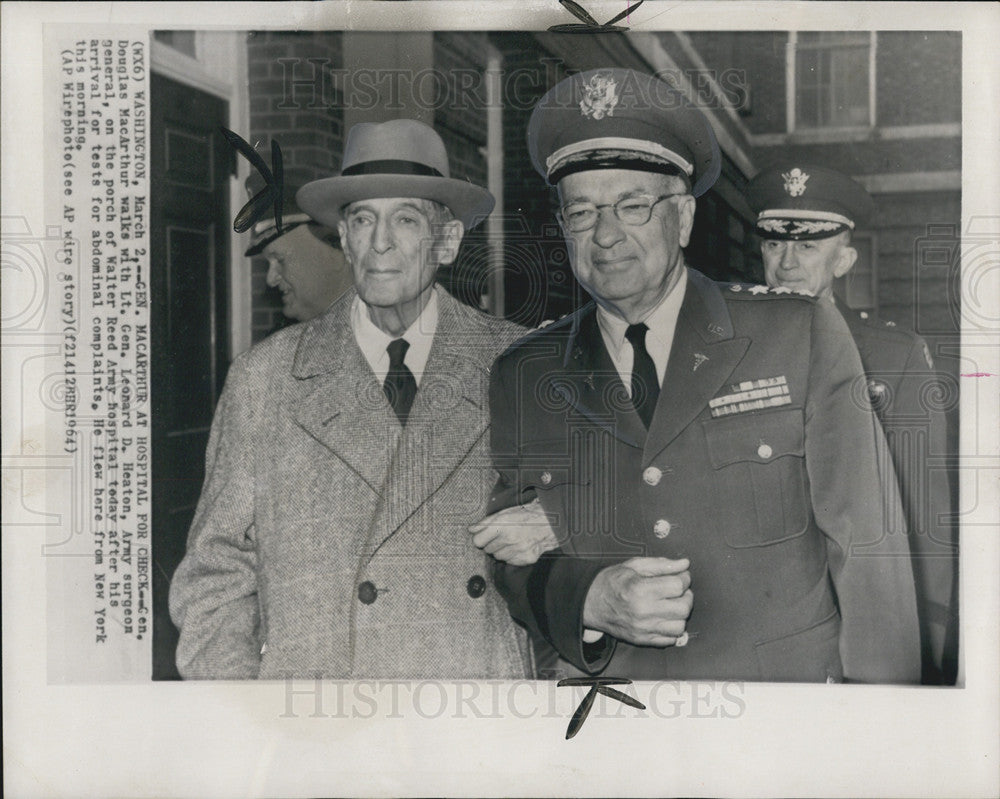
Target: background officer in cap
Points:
(304, 261)
(349, 454)
(805, 216)
(713, 482)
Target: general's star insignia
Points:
(781, 290)
(758, 289)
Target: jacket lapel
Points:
(704, 353)
(337, 399)
(448, 418)
(592, 383)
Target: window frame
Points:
(792, 50)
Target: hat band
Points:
(391, 166)
(798, 213)
(617, 143)
(616, 160)
(287, 221)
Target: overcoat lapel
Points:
(337, 399)
(704, 353)
(449, 416)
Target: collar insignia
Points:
(600, 97)
(795, 182)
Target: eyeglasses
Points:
(578, 217)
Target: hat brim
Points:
(323, 199)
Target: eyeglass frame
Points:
(614, 207)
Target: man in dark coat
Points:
(806, 217)
(713, 482)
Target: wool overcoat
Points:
(331, 541)
(761, 466)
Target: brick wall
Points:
(918, 77)
(298, 103)
(756, 59)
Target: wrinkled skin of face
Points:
(628, 269)
(809, 265)
(394, 247)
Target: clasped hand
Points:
(517, 535)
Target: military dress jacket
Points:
(331, 541)
(909, 399)
(760, 466)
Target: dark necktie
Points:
(400, 388)
(645, 386)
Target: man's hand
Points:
(517, 535)
(644, 601)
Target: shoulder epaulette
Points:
(749, 290)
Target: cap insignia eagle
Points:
(795, 181)
(600, 96)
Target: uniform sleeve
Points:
(916, 430)
(213, 595)
(547, 597)
(856, 504)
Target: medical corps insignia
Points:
(600, 97)
(795, 181)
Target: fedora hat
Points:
(399, 158)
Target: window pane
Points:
(831, 80)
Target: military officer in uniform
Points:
(304, 260)
(713, 483)
(806, 215)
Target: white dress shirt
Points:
(661, 321)
(374, 341)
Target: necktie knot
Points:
(397, 352)
(636, 334)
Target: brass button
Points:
(652, 476)
(367, 592)
(546, 478)
(764, 451)
(662, 528)
(476, 586)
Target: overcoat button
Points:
(367, 592)
(764, 451)
(546, 478)
(476, 586)
(662, 528)
(652, 476)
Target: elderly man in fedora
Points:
(713, 481)
(349, 454)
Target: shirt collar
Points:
(373, 341)
(660, 320)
